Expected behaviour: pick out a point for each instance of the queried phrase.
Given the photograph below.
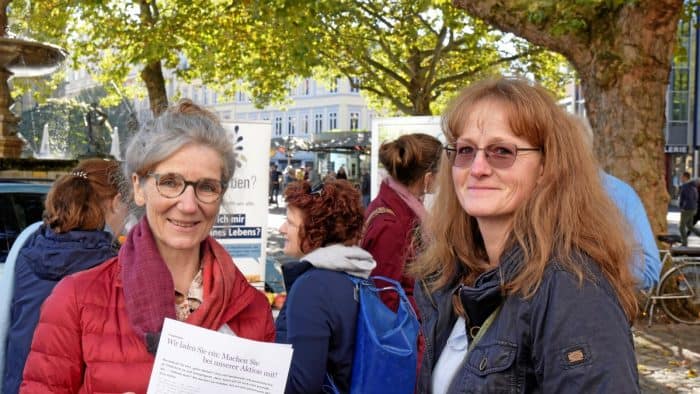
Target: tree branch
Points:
(465, 74)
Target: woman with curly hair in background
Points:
(318, 318)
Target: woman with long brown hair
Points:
(524, 285)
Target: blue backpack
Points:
(386, 342)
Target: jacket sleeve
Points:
(582, 341)
(387, 242)
(55, 363)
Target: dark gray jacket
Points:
(567, 338)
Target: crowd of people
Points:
(523, 274)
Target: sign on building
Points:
(682, 149)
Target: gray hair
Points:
(181, 124)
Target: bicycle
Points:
(678, 289)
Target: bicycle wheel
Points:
(679, 293)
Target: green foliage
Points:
(223, 42)
(411, 56)
(407, 56)
(567, 17)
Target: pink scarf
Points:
(412, 201)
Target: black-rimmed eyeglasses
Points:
(500, 155)
(172, 185)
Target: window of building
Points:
(679, 79)
(214, 97)
(290, 125)
(333, 87)
(307, 87)
(354, 84)
(318, 123)
(305, 124)
(679, 106)
(354, 120)
(332, 121)
(278, 125)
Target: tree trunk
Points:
(152, 76)
(623, 59)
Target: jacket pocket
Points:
(492, 368)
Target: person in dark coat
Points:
(525, 285)
(319, 315)
(84, 215)
(341, 174)
(688, 203)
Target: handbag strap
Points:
(484, 327)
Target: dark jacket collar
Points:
(292, 270)
(480, 300)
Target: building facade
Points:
(312, 108)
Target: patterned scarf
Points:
(149, 291)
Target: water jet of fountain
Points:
(114, 150)
(45, 150)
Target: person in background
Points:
(525, 284)
(646, 262)
(289, 176)
(366, 188)
(393, 219)
(318, 318)
(274, 184)
(341, 174)
(688, 203)
(312, 175)
(83, 216)
(99, 329)
(647, 268)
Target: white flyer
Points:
(192, 359)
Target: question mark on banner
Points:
(254, 179)
(259, 231)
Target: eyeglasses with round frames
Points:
(172, 185)
(499, 155)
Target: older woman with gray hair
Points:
(99, 330)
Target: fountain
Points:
(20, 58)
(115, 150)
(45, 149)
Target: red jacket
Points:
(389, 238)
(84, 342)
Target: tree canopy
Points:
(412, 56)
(218, 42)
(409, 56)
